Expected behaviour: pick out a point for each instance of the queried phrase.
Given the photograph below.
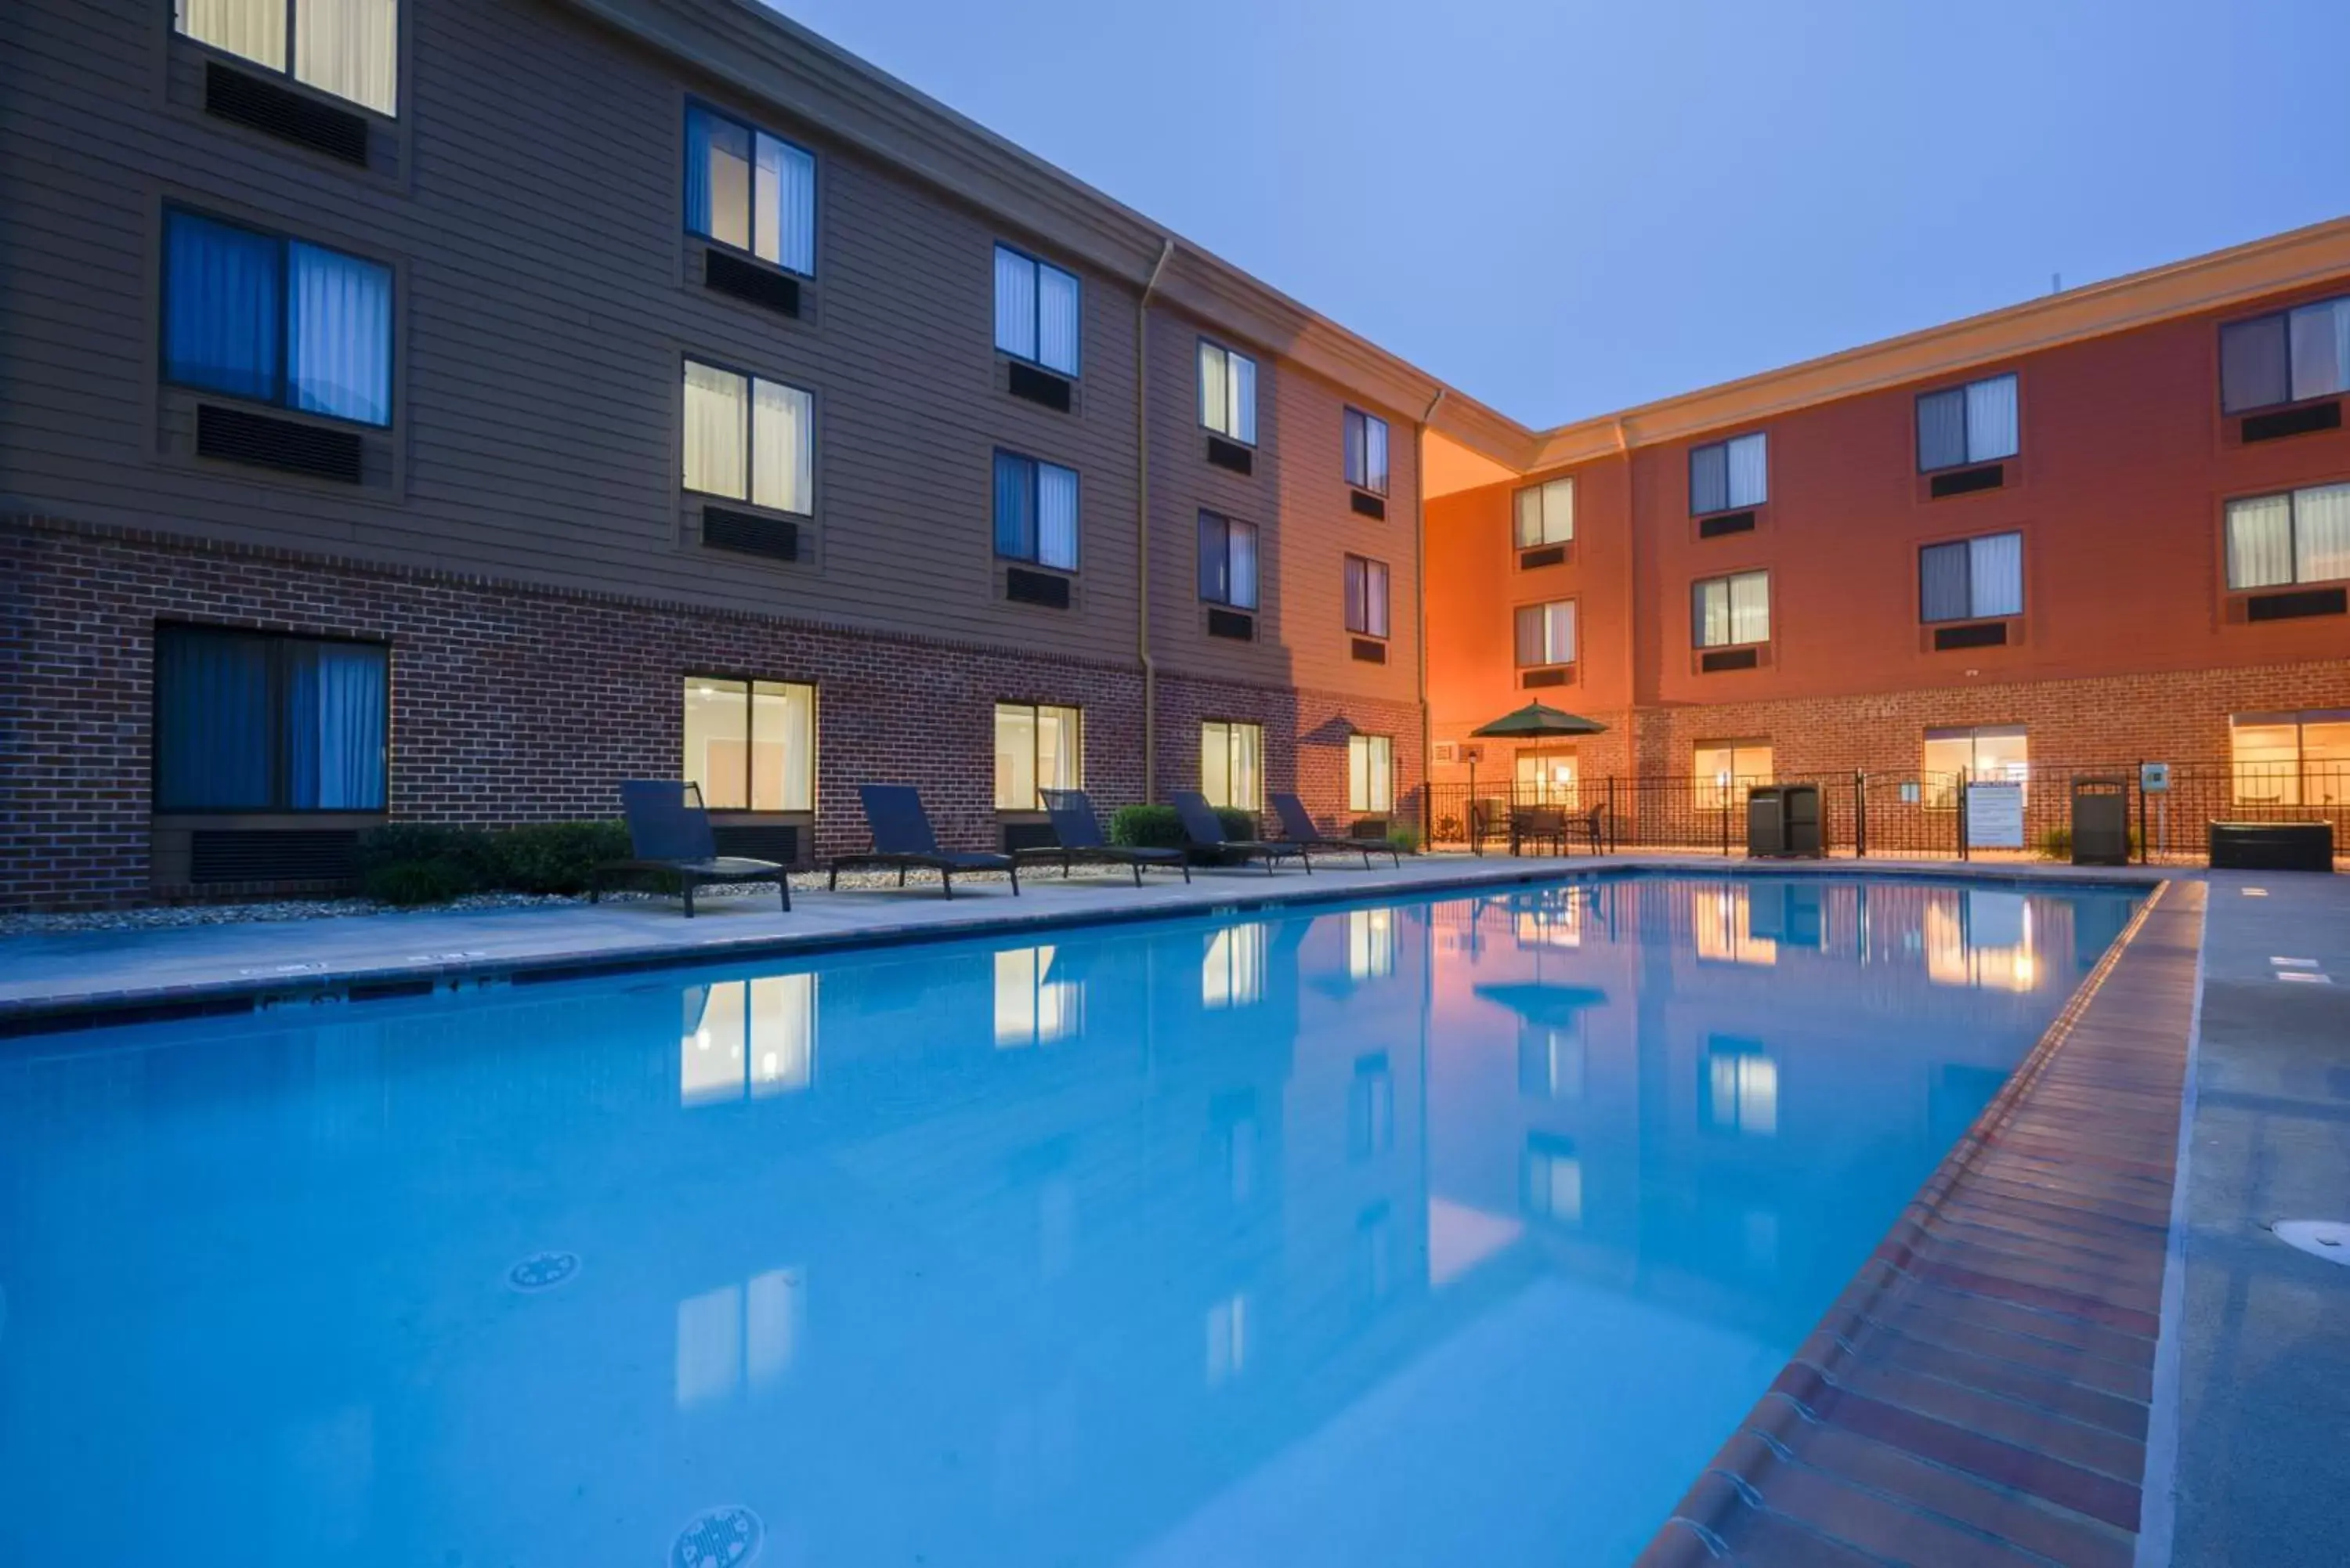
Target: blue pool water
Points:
(1454, 1230)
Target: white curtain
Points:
(2320, 533)
(1710, 613)
(1059, 324)
(783, 718)
(781, 447)
(1016, 303)
(714, 453)
(1990, 419)
(253, 28)
(1375, 453)
(1216, 764)
(1248, 767)
(1750, 483)
(350, 49)
(1056, 516)
(784, 209)
(1995, 563)
(1558, 632)
(1749, 608)
(1215, 391)
(1530, 516)
(1244, 564)
(2320, 348)
(1243, 412)
(338, 348)
(2260, 542)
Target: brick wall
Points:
(1306, 735)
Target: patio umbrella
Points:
(1538, 720)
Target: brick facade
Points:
(515, 704)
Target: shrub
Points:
(1158, 827)
(2056, 843)
(1404, 840)
(463, 851)
(405, 884)
(554, 856)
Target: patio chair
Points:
(669, 834)
(1297, 827)
(1202, 828)
(902, 838)
(1081, 838)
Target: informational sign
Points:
(2154, 778)
(1994, 817)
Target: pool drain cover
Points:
(543, 1272)
(722, 1538)
(2327, 1239)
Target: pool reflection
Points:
(1292, 1240)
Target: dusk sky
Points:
(1567, 208)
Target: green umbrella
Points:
(1537, 721)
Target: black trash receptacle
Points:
(2101, 822)
(2272, 847)
(1783, 820)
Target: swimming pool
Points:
(1456, 1229)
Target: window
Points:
(1990, 754)
(1370, 772)
(2285, 357)
(1723, 771)
(1039, 314)
(1545, 634)
(1971, 579)
(751, 745)
(275, 320)
(1037, 747)
(749, 190)
(748, 439)
(1741, 1088)
(1730, 612)
(747, 1040)
(1036, 512)
(246, 721)
(1227, 562)
(1228, 393)
(1973, 423)
(1366, 597)
(1546, 513)
(1231, 764)
(1366, 451)
(1545, 778)
(1729, 475)
(348, 47)
(2300, 538)
(2291, 759)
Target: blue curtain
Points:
(221, 307)
(338, 325)
(1943, 590)
(1015, 507)
(697, 172)
(335, 703)
(211, 741)
(1215, 560)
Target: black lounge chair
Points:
(1082, 838)
(902, 838)
(1201, 826)
(669, 833)
(1298, 825)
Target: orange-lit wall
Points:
(2126, 647)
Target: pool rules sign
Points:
(1994, 817)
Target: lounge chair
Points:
(1082, 838)
(669, 833)
(1298, 826)
(902, 838)
(1202, 828)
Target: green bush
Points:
(465, 851)
(405, 884)
(1404, 840)
(2056, 843)
(554, 856)
(1158, 827)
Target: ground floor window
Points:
(1037, 747)
(2290, 759)
(1231, 764)
(1983, 754)
(751, 745)
(1548, 778)
(1370, 772)
(1725, 769)
(252, 721)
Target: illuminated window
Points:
(749, 439)
(1725, 770)
(1037, 747)
(348, 47)
(1985, 753)
(751, 745)
(1545, 634)
(747, 1038)
(1228, 392)
(1233, 973)
(1370, 772)
(1033, 1005)
(1730, 612)
(1550, 1061)
(2290, 759)
(1741, 1088)
(1231, 764)
(1551, 1179)
(1547, 778)
(1722, 921)
(1370, 943)
(746, 189)
(2303, 536)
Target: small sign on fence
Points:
(2154, 778)
(1994, 817)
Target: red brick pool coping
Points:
(1978, 1393)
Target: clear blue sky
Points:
(1563, 208)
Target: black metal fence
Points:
(1904, 814)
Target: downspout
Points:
(1420, 603)
(1142, 524)
(1631, 599)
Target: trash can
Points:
(1783, 820)
(2272, 847)
(2101, 822)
